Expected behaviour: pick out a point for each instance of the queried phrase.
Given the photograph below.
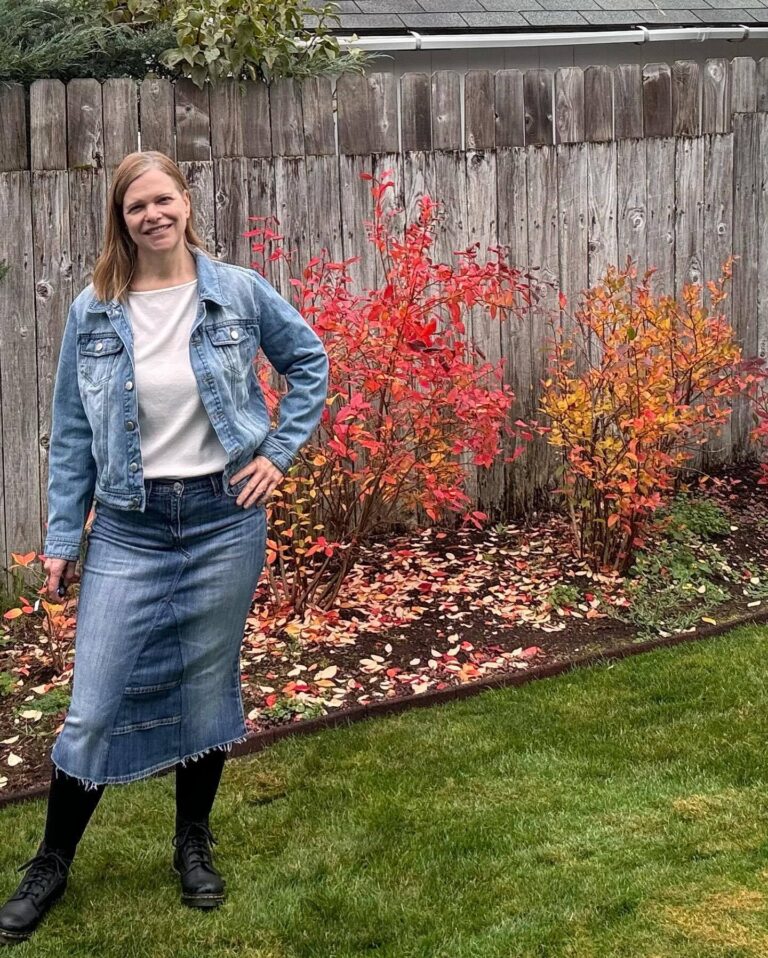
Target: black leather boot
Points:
(44, 883)
(201, 885)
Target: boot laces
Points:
(41, 868)
(195, 837)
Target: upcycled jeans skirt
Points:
(164, 595)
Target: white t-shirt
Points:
(177, 438)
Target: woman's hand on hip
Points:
(60, 572)
(264, 478)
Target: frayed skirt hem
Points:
(90, 784)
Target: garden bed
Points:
(441, 608)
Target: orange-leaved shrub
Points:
(635, 383)
(410, 400)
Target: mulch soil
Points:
(419, 612)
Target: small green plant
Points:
(51, 703)
(7, 683)
(288, 708)
(702, 517)
(682, 576)
(562, 595)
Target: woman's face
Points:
(155, 212)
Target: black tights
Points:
(70, 805)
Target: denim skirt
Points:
(164, 596)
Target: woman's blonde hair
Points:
(114, 267)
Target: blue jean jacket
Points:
(95, 449)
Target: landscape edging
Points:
(257, 741)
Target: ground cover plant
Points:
(617, 811)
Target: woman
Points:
(158, 417)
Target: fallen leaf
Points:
(34, 714)
(329, 672)
(14, 759)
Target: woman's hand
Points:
(264, 478)
(60, 571)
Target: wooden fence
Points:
(572, 170)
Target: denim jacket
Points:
(95, 449)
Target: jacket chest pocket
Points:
(97, 356)
(235, 345)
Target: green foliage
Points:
(206, 40)
(677, 580)
(286, 709)
(7, 683)
(52, 702)
(4, 268)
(562, 595)
(702, 517)
(64, 39)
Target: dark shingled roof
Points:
(437, 16)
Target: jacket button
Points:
(130, 425)
(234, 334)
(129, 385)
(136, 503)
(133, 467)
(99, 347)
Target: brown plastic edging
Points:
(257, 741)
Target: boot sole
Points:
(206, 902)
(200, 901)
(9, 938)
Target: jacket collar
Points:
(209, 284)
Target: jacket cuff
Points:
(276, 454)
(61, 549)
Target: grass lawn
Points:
(616, 811)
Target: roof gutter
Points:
(566, 38)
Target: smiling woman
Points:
(158, 419)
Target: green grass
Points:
(616, 812)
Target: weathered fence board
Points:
(156, 110)
(747, 168)
(716, 108)
(657, 99)
(53, 294)
(13, 142)
(479, 103)
(543, 258)
(631, 203)
(569, 105)
(598, 103)
(537, 91)
(718, 245)
(686, 112)
(18, 371)
(689, 210)
(513, 233)
(488, 482)
(48, 125)
(446, 110)
(660, 200)
(510, 109)
(628, 101)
